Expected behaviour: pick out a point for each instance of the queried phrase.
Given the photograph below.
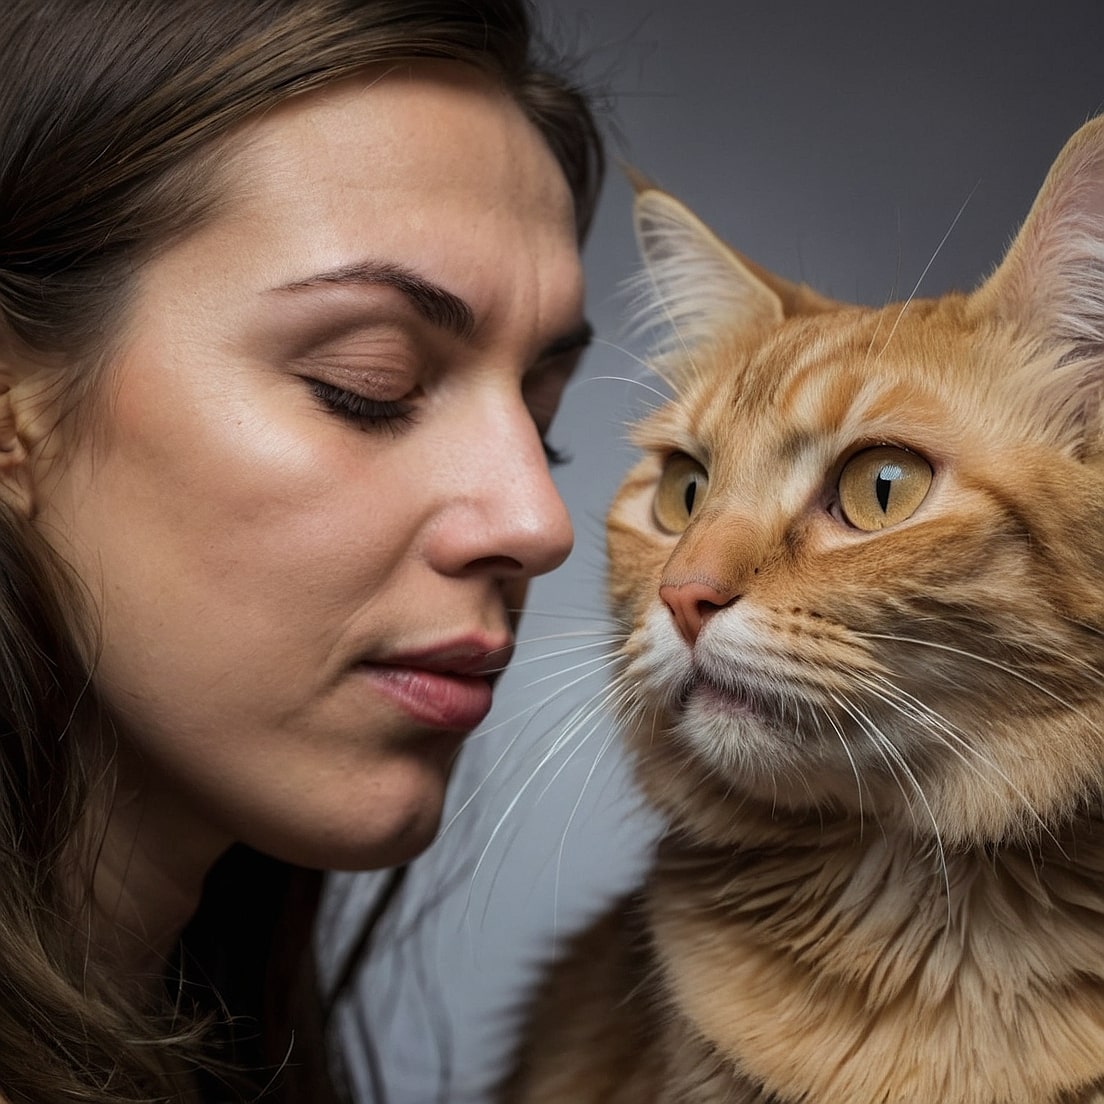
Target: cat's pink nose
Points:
(692, 605)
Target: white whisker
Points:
(529, 711)
(637, 383)
(606, 745)
(851, 759)
(572, 726)
(955, 742)
(984, 660)
(642, 361)
(892, 755)
(923, 275)
(532, 660)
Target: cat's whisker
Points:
(600, 632)
(985, 661)
(643, 362)
(893, 755)
(545, 656)
(582, 716)
(609, 741)
(1082, 664)
(579, 711)
(1096, 630)
(842, 736)
(874, 338)
(558, 614)
(520, 663)
(492, 771)
(923, 275)
(579, 643)
(636, 383)
(529, 712)
(597, 664)
(885, 748)
(651, 368)
(598, 706)
(571, 726)
(891, 298)
(956, 743)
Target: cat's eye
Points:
(882, 486)
(680, 492)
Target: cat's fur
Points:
(880, 753)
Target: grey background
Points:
(835, 143)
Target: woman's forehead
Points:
(406, 125)
(437, 174)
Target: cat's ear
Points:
(1051, 280)
(694, 286)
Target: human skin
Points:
(314, 486)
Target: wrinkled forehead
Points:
(409, 125)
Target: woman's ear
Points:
(15, 489)
(27, 416)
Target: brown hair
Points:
(111, 113)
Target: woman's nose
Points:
(506, 516)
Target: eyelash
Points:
(367, 413)
(391, 415)
(555, 457)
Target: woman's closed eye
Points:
(544, 387)
(393, 415)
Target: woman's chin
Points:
(387, 821)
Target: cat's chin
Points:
(738, 733)
(758, 749)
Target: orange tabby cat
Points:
(859, 575)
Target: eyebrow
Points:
(440, 307)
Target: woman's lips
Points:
(448, 688)
(439, 699)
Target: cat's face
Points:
(860, 567)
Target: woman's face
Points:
(317, 489)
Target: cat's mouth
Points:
(705, 692)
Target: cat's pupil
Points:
(690, 495)
(883, 484)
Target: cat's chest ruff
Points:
(831, 980)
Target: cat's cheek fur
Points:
(657, 665)
(633, 538)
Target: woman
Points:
(289, 290)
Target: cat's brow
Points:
(796, 444)
(440, 307)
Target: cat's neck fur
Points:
(850, 961)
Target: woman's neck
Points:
(149, 869)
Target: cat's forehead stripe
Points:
(793, 381)
(799, 355)
(806, 349)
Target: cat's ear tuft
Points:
(693, 287)
(1051, 281)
